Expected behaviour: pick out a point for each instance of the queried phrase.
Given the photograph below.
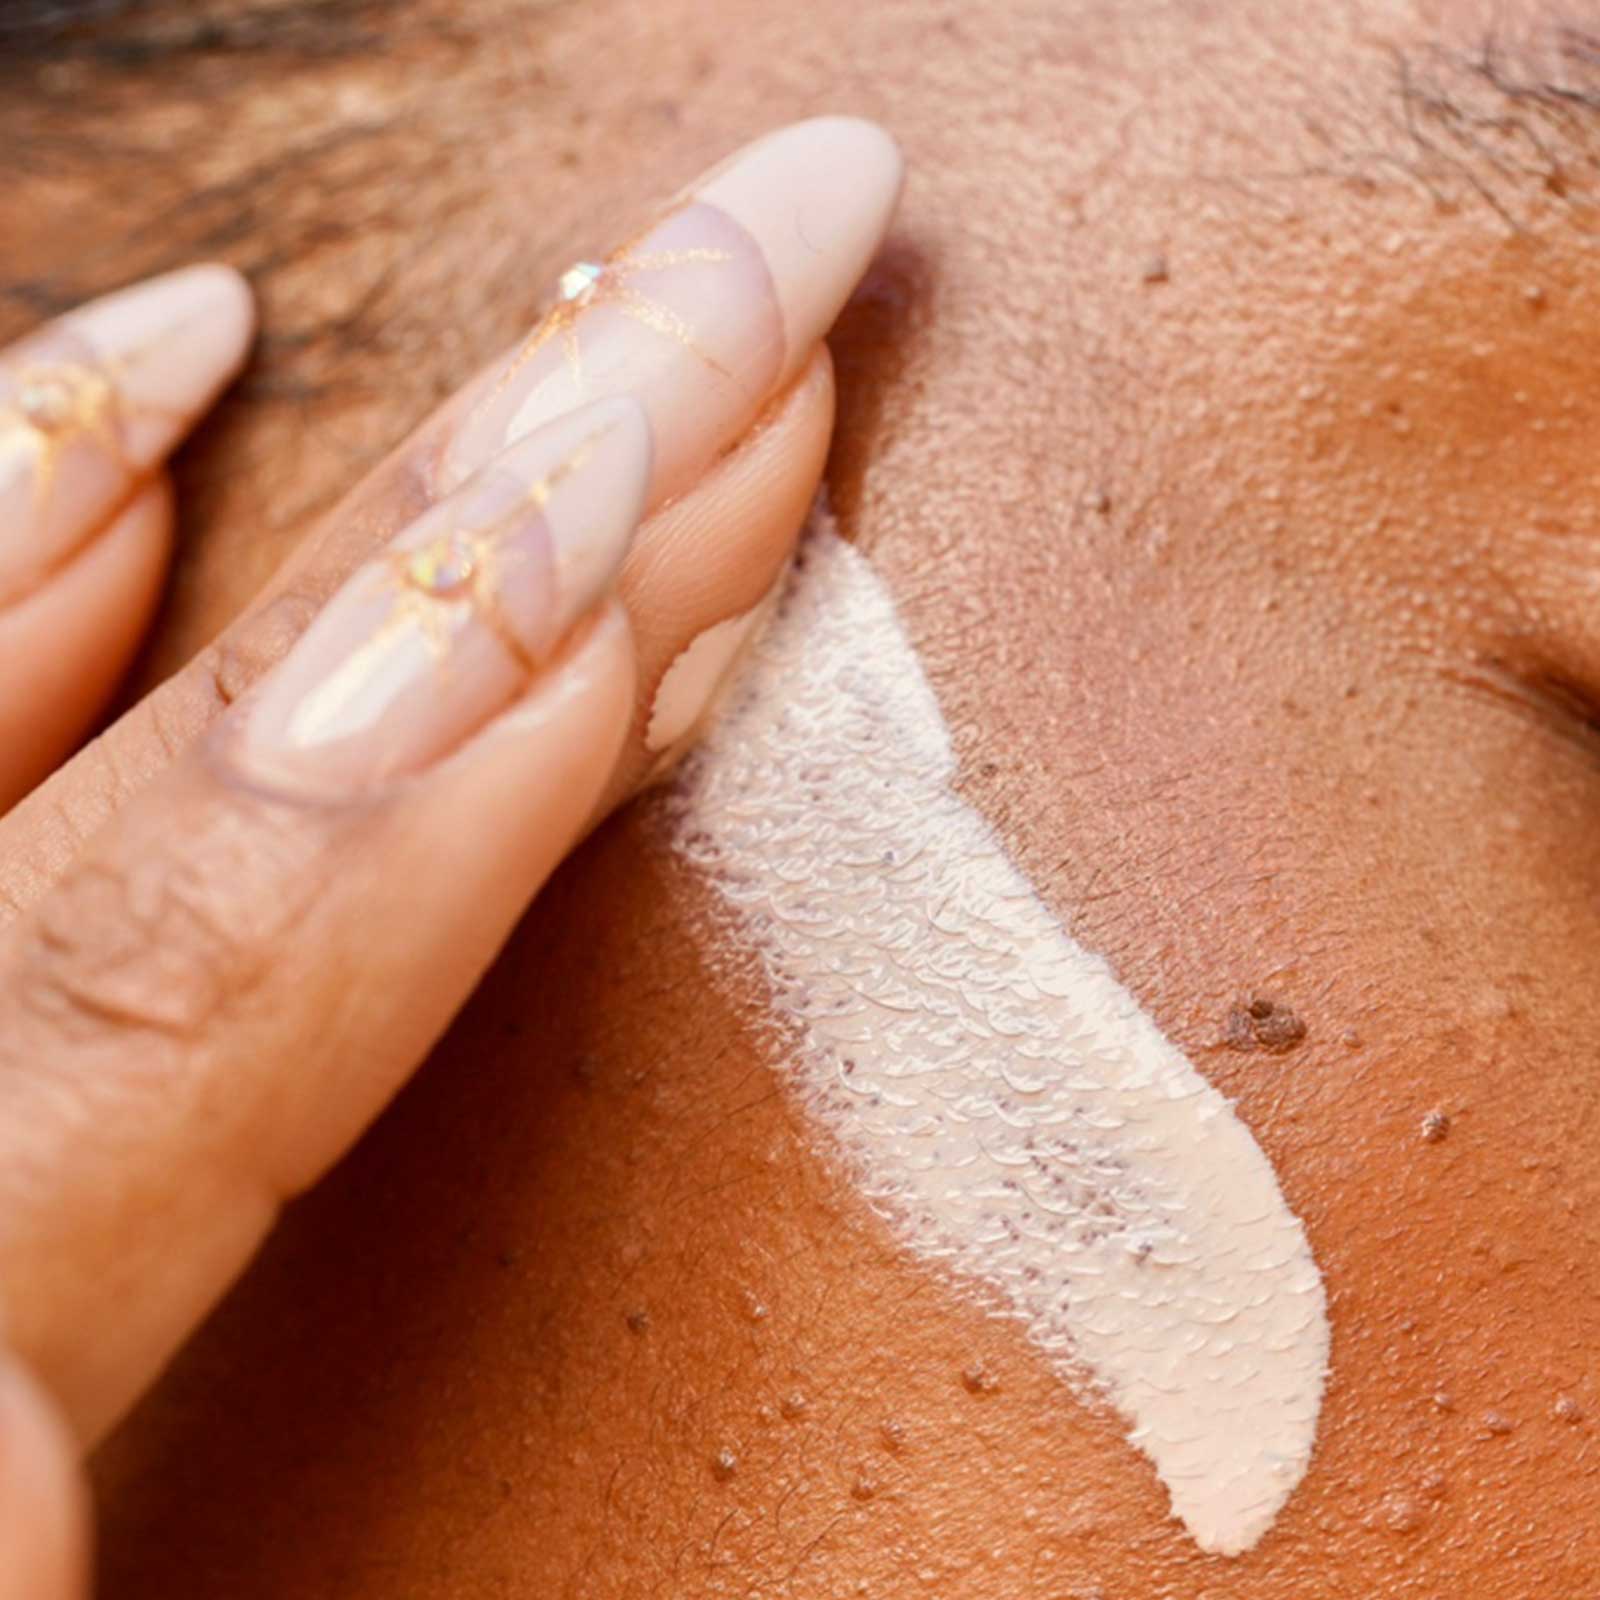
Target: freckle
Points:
(1533, 294)
(1435, 1127)
(1498, 1423)
(893, 1433)
(979, 1379)
(638, 1320)
(1352, 1039)
(1567, 1410)
(794, 1405)
(865, 1487)
(1100, 503)
(1155, 270)
(724, 1464)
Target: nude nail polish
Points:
(97, 398)
(427, 642)
(711, 309)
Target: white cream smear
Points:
(691, 681)
(1002, 1099)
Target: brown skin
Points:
(1232, 459)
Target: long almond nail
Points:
(713, 308)
(97, 398)
(426, 643)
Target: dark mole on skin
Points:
(1262, 1024)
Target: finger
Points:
(43, 1515)
(64, 645)
(804, 210)
(226, 988)
(90, 406)
(698, 582)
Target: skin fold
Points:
(1221, 416)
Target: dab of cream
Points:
(1001, 1098)
(687, 688)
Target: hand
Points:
(236, 922)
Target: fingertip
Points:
(704, 569)
(715, 552)
(43, 1511)
(65, 646)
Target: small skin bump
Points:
(1264, 1024)
(979, 1379)
(1399, 1513)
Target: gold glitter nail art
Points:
(52, 405)
(459, 574)
(610, 282)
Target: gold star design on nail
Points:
(611, 282)
(440, 585)
(50, 407)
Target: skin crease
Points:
(1231, 460)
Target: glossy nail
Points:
(96, 399)
(706, 314)
(424, 644)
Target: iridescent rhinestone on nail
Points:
(579, 279)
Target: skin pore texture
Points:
(1221, 421)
